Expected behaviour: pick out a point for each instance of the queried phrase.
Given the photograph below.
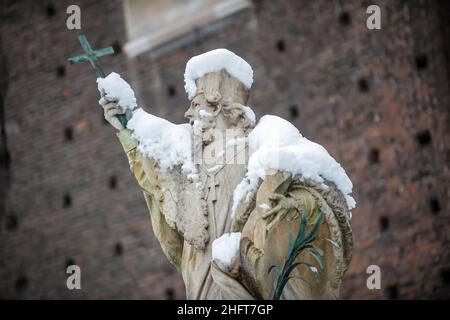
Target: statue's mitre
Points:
(221, 73)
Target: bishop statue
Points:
(244, 209)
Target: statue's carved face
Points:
(203, 108)
(202, 115)
(210, 111)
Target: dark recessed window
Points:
(423, 137)
(281, 47)
(384, 224)
(60, 71)
(112, 182)
(5, 159)
(21, 283)
(363, 85)
(67, 201)
(117, 47)
(171, 91)
(435, 206)
(293, 111)
(11, 222)
(68, 134)
(392, 292)
(50, 10)
(445, 276)
(344, 19)
(421, 62)
(170, 294)
(118, 249)
(374, 156)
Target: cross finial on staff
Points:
(91, 56)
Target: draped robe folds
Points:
(186, 220)
(187, 216)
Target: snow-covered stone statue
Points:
(244, 210)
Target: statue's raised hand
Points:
(111, 110)
(284, 205)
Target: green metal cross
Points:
(91, 56)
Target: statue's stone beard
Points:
(204, 131)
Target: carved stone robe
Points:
(187, 216)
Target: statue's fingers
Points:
(271, 212)
(276, 196)
(110, 105)
(270, 225)
(116, 123)
(282, 214)
(115, 106)
(266, 215)
(269, 218)
(277, 219)
(111, 113)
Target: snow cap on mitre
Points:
(216, 71)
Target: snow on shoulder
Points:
(226, 247)
(116, 89)
(167, 143)
(276, 144)
(213, 61)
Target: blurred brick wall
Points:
(377, 100)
